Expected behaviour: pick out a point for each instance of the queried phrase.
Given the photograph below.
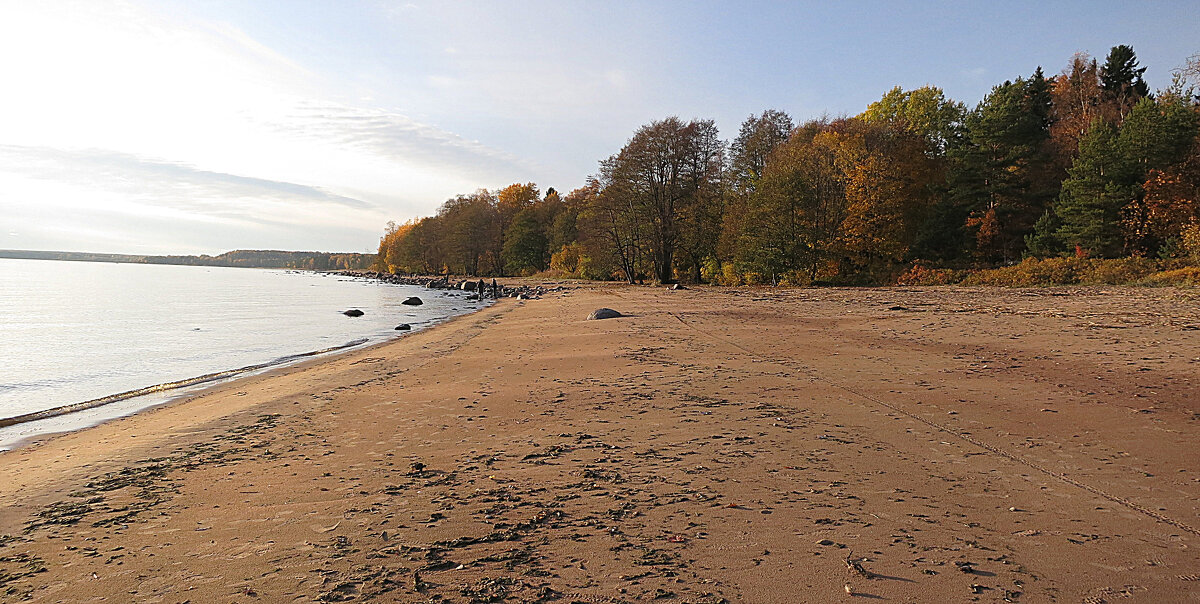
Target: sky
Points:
(199, 127)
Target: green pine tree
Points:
(1093, 195)
(1121, 78)
(1100, 199)
(1001, 170)
(1044, 241)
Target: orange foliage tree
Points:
(886, 175)
(1172, 200)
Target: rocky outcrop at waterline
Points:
(491, 289)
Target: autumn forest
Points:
(1067, 175)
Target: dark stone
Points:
(413, 301)
(468, 286)
(403, 327)
(354, 312)
(603, 313)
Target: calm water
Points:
(76, 331)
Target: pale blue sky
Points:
(197, 127)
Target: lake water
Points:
(79, 331)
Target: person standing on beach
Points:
(480, 290)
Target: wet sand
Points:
(939, 444)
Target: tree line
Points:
(1087, 163)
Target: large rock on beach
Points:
(354, 312)
(403, 327)
(413, 301)
(467, 286)
(603, 313)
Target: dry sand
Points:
(920, 445)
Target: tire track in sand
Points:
(992, 449)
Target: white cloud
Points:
(124, 111)
(150, 181)
(395, 136)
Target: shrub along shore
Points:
(1034, 272)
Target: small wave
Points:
(175, 385)
(294, 357)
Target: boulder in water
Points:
(403, 327)
(354, 312)
(413, 301)
(603, 313)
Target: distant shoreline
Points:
(236, 259)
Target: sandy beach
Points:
(715, 445)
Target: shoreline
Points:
(226, 374)
(182, 390)
(712, 445)
(165, 393)
(185, 417)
